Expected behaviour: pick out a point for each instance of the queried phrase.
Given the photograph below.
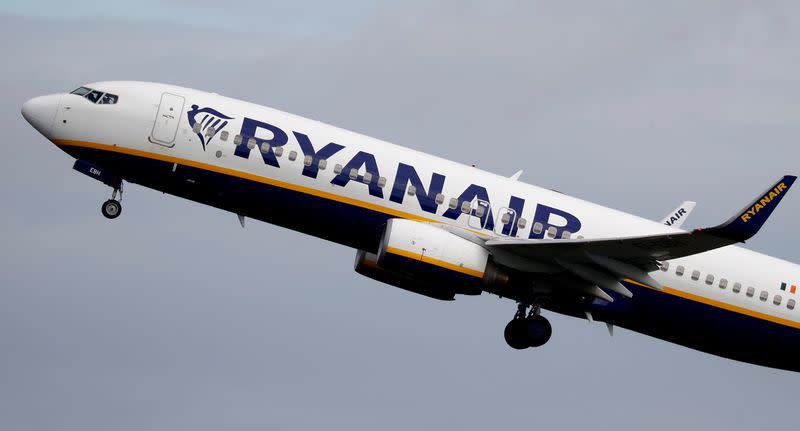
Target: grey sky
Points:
(173, 316)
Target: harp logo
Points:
(206, 123)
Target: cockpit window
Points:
(108, 99)
(81, 91)
(94, 96)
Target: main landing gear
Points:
(112, 208)
(531, 330)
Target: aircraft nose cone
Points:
(40, 112)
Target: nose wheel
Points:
(112, 208)
(531, 330)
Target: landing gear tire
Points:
(537, 330)
(111, 209)
(515, 334)
(531, 331)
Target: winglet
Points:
(750, 219)
(679, 215)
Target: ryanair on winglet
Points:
(764, 202)
(748, 222)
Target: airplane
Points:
(439, 228)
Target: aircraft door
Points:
(168, 117)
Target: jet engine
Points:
(425, 258)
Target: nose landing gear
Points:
(112, 208)
(524, 331)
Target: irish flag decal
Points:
(792, 289)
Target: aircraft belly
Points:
(711, 329)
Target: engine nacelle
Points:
(367, 265)
(430, 253)
(427, 259)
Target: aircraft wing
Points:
(600, 260)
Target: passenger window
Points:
(763, 296)
(196, 128)
(580, 236)
(251, 143)
(264, 147)
(236, 139)
(382, 182)
(453, 203)
(293, 156)
(506, 217)
(709, 279)
(94, 96)
(479, 211)
(737, 287)
(353, 174)
(521, 223)
(224, 135)
(777, 300)
(337, 169)
(210, 132)
(750, 292)
(412, 190)
(695, 275)
(537, 228)
(723, 283)
(367, 178)
(322, 164)
(664, 266)
(108, 99)
(439, 198)
(679, 270)
(307, 160)
(790, 304)
(565, 235)
(278, 151)
(465, 207)
(551, 232)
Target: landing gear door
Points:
(167, 119)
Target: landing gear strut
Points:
(112, 208)
(527, 329)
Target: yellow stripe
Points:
(435, 262)
(244, 175)
(393, 212)
(720, 304)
